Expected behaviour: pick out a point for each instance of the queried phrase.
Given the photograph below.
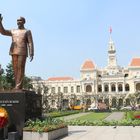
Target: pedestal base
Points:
(21, 106)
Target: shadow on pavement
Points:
(77, 131)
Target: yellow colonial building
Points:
(113, 84)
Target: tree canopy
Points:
(7, 79)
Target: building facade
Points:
(113, 84)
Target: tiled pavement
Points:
(103, 133)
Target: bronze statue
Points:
(21, 42)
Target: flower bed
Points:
(133, 115)
(137, 116)
(47, 129)
(46, 125)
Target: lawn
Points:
(97, 119)
(93, 116)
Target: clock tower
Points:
(112, 60)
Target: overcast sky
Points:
(67, 32)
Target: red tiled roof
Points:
(135, 62)
(59, 78)
(88, 65)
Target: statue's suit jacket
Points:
(21, 42)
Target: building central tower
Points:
(112, 60)
(112, 66)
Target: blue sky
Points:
(67, 32)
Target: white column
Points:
(102, 88)
(116, 87)
(74, 89)
(123, 87)
(109, 87)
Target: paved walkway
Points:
(103, 133)
(74, 116)
(115, 116)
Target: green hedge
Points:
(104, 123)
(128, 120)
(62, 113)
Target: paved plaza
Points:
(103, 133)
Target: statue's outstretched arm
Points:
(2, 30)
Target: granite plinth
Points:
(21, 105)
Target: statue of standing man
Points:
(22, 43)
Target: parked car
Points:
(126, 108)
(92, 108)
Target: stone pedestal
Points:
(21, 106)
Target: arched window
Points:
(120, 87)
(53, 89)
(65, 103)
(99, 88)
(113, 88)
(106, 101)
(138, 101)
(127, 87)
(88, 88)
(120, 103)
(65, 90)
(114, 102)
(53, 102)
(106, 88)
(138, 87)
(127, 102)
(78, 89)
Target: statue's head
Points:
(20, 22)
(21, 19)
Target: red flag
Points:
(110, 30)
